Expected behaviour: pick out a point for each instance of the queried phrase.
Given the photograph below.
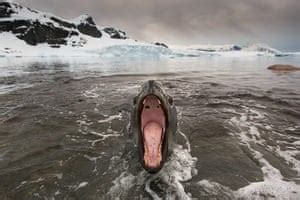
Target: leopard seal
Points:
(154, 125)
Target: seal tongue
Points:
(153, 132)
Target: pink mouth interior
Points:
(153, 128)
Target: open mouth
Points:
(153, 126)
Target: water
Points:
(64, 129)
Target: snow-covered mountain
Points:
(36, 27)
(28, 32)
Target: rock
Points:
(35, 27)
(5, 9)
(51, 30)
(236, 48)
(63, 23)
(33, 32)
(161, 44)
(114, 33)
(282, 67)
(87, 26)
(89, 30)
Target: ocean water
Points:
(64, 128)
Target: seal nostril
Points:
(170, 99)
(147, 107)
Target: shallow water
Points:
(64, 129)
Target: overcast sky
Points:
(275, 22)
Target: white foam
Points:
(94, 160)
(81, 185)
(103, 136)
(248, 120)
(297, 142)
(180, 167)
(215, 189)
(188, 145)
(84, 128)
(111, 118)
(92, 93)
(268, 189)
(121, 185)
(290, 157)
(274, 184)
(5, 89)
(271, 189)
(127, 88)
(58, 176)
(40, 179)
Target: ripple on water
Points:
(84, 127)
(274, 185)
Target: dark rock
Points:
(52, 30)
(281, 54)
(161, 44)
(114, 33)
(55, 46)
(5, 9)
(207, 50)
(281, 67)
(90, 30)
(34, 32)
(63, 23)
(87, 26)
(236, 48)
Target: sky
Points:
(190, 22)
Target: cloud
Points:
(275, 22)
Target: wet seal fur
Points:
(153, 88)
